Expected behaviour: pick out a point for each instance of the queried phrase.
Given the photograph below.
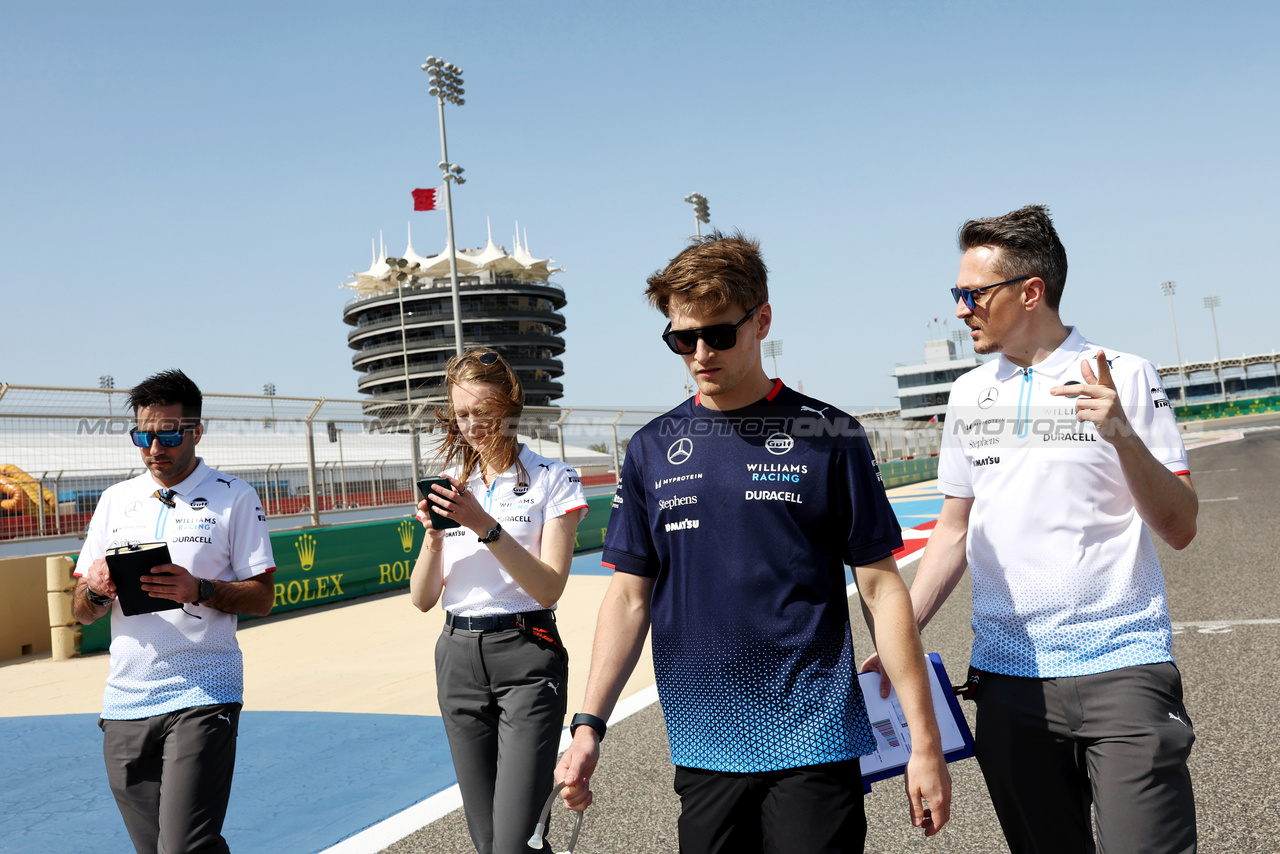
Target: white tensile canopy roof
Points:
(491, 257)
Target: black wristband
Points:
(584, 719)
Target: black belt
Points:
(498, 622)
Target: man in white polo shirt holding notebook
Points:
(1059, 461)
(171, 708)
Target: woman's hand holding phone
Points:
(450, 505)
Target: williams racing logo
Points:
(777, 471)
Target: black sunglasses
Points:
(166, 438)
(719, 336)
(967, 294)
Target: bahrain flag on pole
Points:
(424, 200)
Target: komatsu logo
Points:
(985, 461)
(682, 525)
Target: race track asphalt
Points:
(1225, 603)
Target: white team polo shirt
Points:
(171, 660)
(1066, 581)
(476, 585)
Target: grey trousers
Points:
(502, 697)
(171, 777)
(1116, 741)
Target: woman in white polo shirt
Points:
(501, 670)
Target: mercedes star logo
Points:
(988, 398)
(680, 451)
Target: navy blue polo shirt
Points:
(745, 519)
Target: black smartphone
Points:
(437, 521)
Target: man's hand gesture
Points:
(1097, 401)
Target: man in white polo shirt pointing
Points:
(1059, 460)
(172, 703)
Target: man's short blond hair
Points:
(714, 272)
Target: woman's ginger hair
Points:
(506, 401)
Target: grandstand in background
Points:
(508, 303)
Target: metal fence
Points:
(307, 457)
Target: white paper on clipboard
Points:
(893, 736)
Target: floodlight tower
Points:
(1168, 288)
(1212, 302)
(773, 349)
(701, 213)
(446, 85)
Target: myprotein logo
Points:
(680, 451)
(779, 444)
(658, 484)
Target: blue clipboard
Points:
(888, 737)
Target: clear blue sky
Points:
(186, 184)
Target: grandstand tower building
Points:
(508, 303)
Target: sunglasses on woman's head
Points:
(719, 336)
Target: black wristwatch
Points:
(584, 719)
(494, 533)
(205, 592)
(96, 598)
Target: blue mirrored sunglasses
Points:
(166, 438)
(967, 294)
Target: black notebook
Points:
(128, 564)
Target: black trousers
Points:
(171, 777)
(1050, 749)
(796, 811)
(502, 698)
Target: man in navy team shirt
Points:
(735, 515)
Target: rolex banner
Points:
(316, 566)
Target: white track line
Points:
(1213, 624)
(1232, 498)
(391, 830)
